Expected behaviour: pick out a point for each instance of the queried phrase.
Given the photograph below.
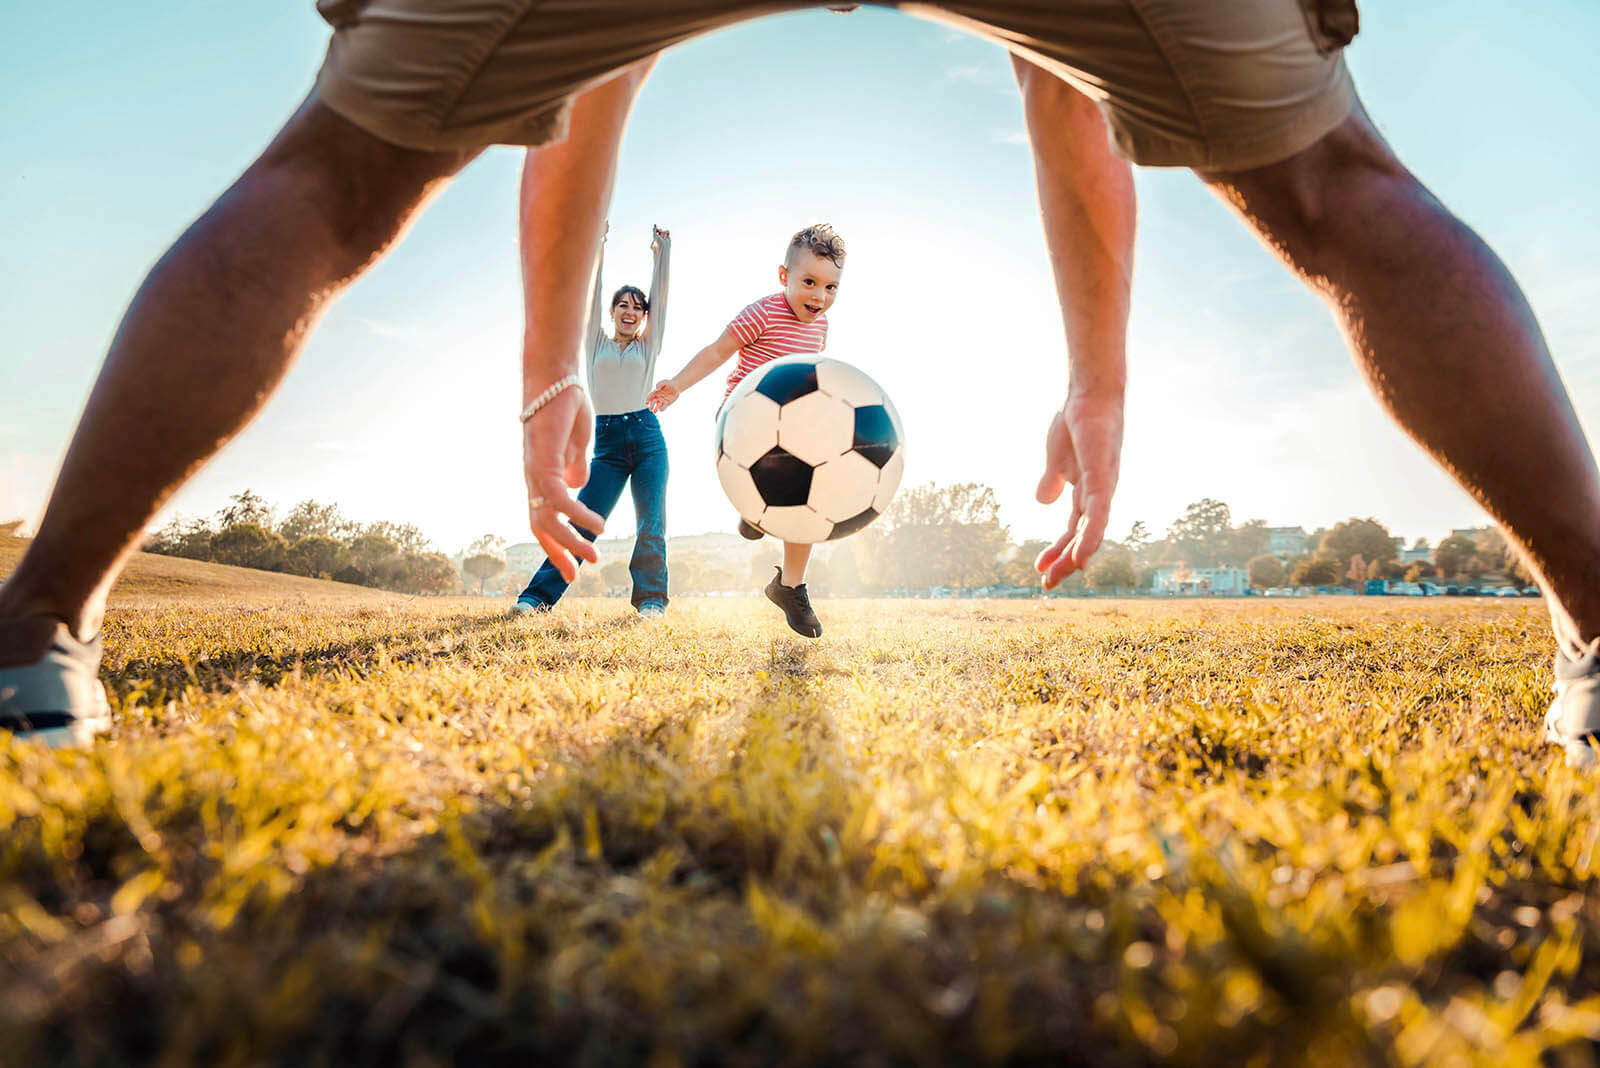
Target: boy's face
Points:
(810, 283)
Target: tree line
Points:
(949, 536)
(314, 540)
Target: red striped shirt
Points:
(769, 329)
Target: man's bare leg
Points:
(1448, 343)
(210, 333)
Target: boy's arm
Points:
(661, 246)
(701, 364)
(1086, 198)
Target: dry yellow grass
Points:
(947, 833)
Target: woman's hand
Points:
(662, 396)
(656, 234)
(554, 443)
(1083, 447)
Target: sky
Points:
(123, 122)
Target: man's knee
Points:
(1307, 195)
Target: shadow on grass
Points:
(630, 909)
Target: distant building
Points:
(1287, 542)
(1414, 555)
(524, 557)
(1199, 581)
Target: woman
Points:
(627, 436)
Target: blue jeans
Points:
(625, 446)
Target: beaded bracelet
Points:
(547, 396)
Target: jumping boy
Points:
(791, 322)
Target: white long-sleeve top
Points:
(620, 377)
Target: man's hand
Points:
(656, 234)
(554, 443)
(1083, 447)
(662, 396)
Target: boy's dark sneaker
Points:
(796, 605)
(749, 531)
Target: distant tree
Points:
(1498, 554)
(492, 544)
(1388, 569)
(1017, 570)
(1245, 542)
(1112, 570)
(483, 567)
(1266, 571)
(315, 555)
(308, 519)
(1420, 570)
(1317, 571)
(616, 574)
(248, 545)
(1453, 556)
(246, 507)
(430, 573)
(407, 539)
(1366, 538)
(1201, 534)
(1357, 571)
(190, 539)
(942, 536)
(1138, 540)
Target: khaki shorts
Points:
(1209, 84)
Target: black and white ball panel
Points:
(809, 449)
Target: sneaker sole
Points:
(74, 734)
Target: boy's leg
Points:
(210, 333)
(607, 473)
(795, 558)
(649, 563)
(1425, 304)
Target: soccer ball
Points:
(809, 449)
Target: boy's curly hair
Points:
(820, 241)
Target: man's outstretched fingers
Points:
(1093, 515)
(1060, 461)
(1046, 561)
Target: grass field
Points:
(336, 828)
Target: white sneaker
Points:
(58, 699)
(1574, 716)
(527, 608)
(653, 610)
